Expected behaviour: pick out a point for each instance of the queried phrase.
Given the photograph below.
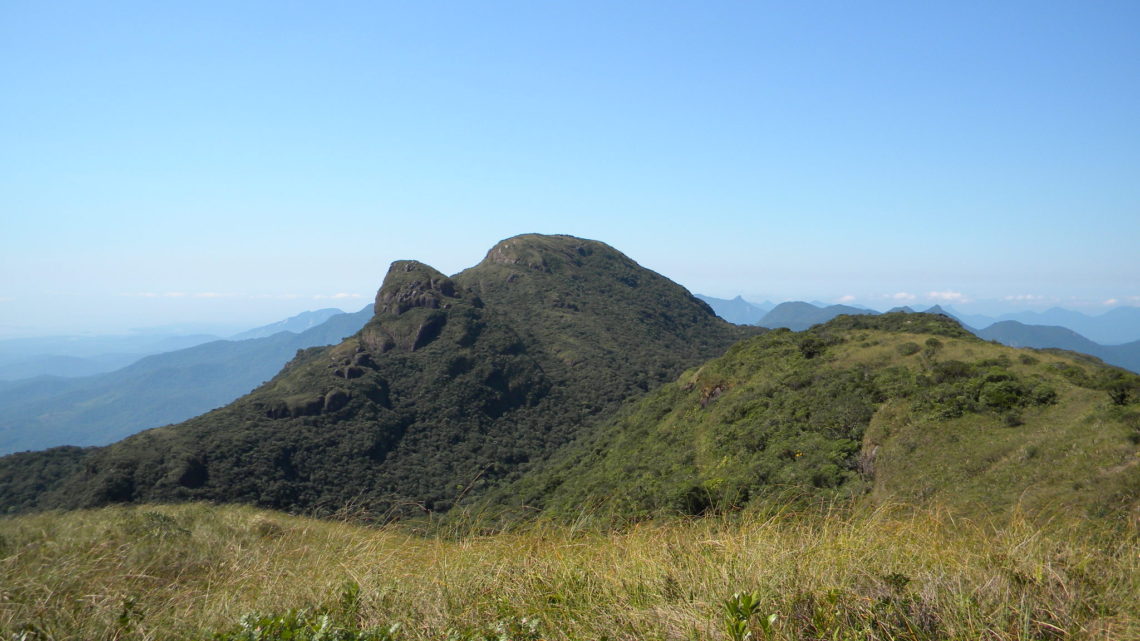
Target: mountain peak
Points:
(410, 307)
(544, 253)
(410, 284)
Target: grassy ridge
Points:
(190, 571)
(903, 407)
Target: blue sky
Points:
(235, 163)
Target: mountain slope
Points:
(901, 407)
(157, 390)
(454, 384)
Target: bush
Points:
(908, 348)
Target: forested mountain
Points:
(157, 390)
(455, 383)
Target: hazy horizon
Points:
(222, 326)
(229, 165)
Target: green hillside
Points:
(899, 407)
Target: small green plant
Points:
(740, 611)
(508, 629)
(303, 625)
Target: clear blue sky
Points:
(242, 161)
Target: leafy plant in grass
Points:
(508, 629)
(303, 625)
(743, 616)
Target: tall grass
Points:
(189, 571)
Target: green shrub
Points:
(908, 348)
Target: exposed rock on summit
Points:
(410, 284)
(411, 307)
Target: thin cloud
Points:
(902, 296)
(948, 297)
(6, 299)
(1111, 301)
(1024, 298)
(337, 296)
(846, 299)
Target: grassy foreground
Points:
(193, 571)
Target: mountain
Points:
(1017, 334)
(897, 407)
(737, 310)
(295, 324)
(454, 385)
(1117, 326)
(938, 309)
(156, 390)
(73, 356)
(798, 316)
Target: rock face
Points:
(455, 382)
(411, 284)
(411, 307)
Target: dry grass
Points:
(163, 572)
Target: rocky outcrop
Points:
(412, 308)
(411, 284)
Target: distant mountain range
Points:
(1120, 322)
(156, 390)
(296, 324)
(85, 355)
(1115, 327)
(1017, 334)
(798, 316)
(737, 310)
(77, 356)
